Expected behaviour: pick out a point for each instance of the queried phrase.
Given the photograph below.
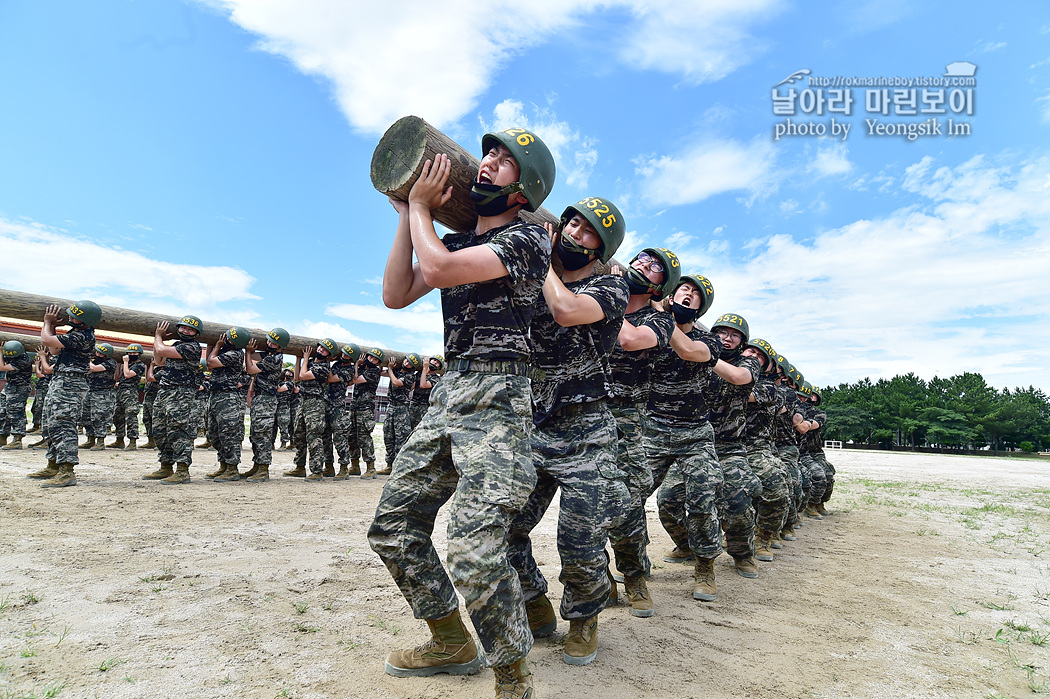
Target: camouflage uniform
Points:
(226, 405)
(173, 427)
(681, 444)
(16, 394)
(285, 402)
(739, 484)
(771, 503)
(786, 448)
(397, 424)
(337, 417)
(629, 391)
(420, 400)
(40, 395)
(101, 398)
(574, 448)
(65, 396)
(126, 415)
(473, 447)
(812, 459)
(311, 417)
(365, 413)
(264, 407)
(149, 399)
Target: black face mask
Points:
(319, 356)
(683, 314)
(133, 358)
(492, 200)
(573, 256)
(638, 283)
(183, 336)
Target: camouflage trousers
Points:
(337, 425)
(576, 451)
(823, 466)
(65, 402)
(416, 411)
(5, 421)
(173, 427)
(226, 424)
(688, 498)
(396, 427)
(38, 404)
(735, 508)
(310, 422)
(473, 448)
(788, 454)
(361, 444)
(630, 538)
(15, 399)
(199, 412)
(148, 401)
(126, 414)
(771, 503)
(284, 420)
(99, 407)
(818, 479)
(263, 419)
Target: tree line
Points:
(961, 412)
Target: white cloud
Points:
(707, 169)
(421, 317)
(831, 159)
(1044, 107)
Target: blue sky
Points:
(212, 157)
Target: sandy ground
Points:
(932, 579)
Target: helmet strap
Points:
(492, 200)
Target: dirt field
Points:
(932, 579)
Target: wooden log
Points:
(32, 344)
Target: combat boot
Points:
(451, 650)
(251, 472)
(581, 645)
(513, 681)
(315, 476)
(181, 475)
(329, 470)
(542, 619)
(49, 472)
(160, 474)
(62, 479)
(342, 475)
(3, 440)
(206, 445)
(297, 472)
(355, 468)
(821, 510)
(812, 512)
(386, 470)
(88, 443)
(118, 443)
(763, 551)
(39, 444)
(230, 474)
(746, 566)
(32, 429)
(150, 444)
(217, 472)
(370, 470)
(614, 593)
(15, 443)
(261, 475)
(788, 533)
(100, 444)
(132, 444)
(679, 555)
(704, 580)
(638, 596)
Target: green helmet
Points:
(732, 320)
(707, 291)
(534, 160)
(672, 272)
(795, 375)
(816, 391)
(440, 360)
(377, 353)
(766, 349)
(133, 348)
(238, 336)
(606, 220)
(13, 348)
(190, 322)
(415, 360)
(203, 364)
(105, 349)
(329, 344)
(86, 312)
(805, 389)
(352, 351)
(279, 337)
(784, 365)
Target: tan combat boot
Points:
(15, 443)
(451, 650)
(88, 443)
(821, 510)
(614, 593)
(39, 444)
(746, 566)
(150, 444)
(297, 472)
(542, 619)
(161, 473)
(513, 681)
(385, 470)
(342, 475)
(3, 440)
(261, 475)
(32, 429)
(788, 533)
(679, 555)
(638, 596)
(181, 475)
(217, 472)
(230, 474)
(251, 472)
(118, 443)
(329, 470)
(370, 470)
(581, 645)
(812, 512)
(62, 479)
(355, 468)
(704, 580)
(315, 476)
(100, 444)
(49, 472)
(763, 551)
(132, 444)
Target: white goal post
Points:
(832, 444)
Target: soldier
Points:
(126, 415)
(574, 433)
(173, 428)
(365, 384)
(101, 397)
(419, 401)
(312, 370)
(652, 274)
(821, 472)
(285, 399)
(490, 280)
(785, 443)
(771, 503)
(44, 371)
(226, 405)
(680, 442)
(267, 372)
(149, 399)
(730, 387)
(337, 417)
(351, 353)
(397, 425)
(69, 386)
(19, 367)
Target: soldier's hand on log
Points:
(430, 189)
(162, 328)
(51, 314)
(251, 345)
(401, 207)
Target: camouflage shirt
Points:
(812, 442)
(318, 385)
(761, 415)
(337, 391)
(184, 370)
(23, 370)
(728, 401)
(102, 380)
(420, 395)
(398, 395)
(289, 395)
(631, 370)
(77, 347)
(153, 386)
(678, 388)
(270, 373)
(783, 431)
(575, 360)
(489, 321)
(365, 393)
(231, 373)
(131, 383)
